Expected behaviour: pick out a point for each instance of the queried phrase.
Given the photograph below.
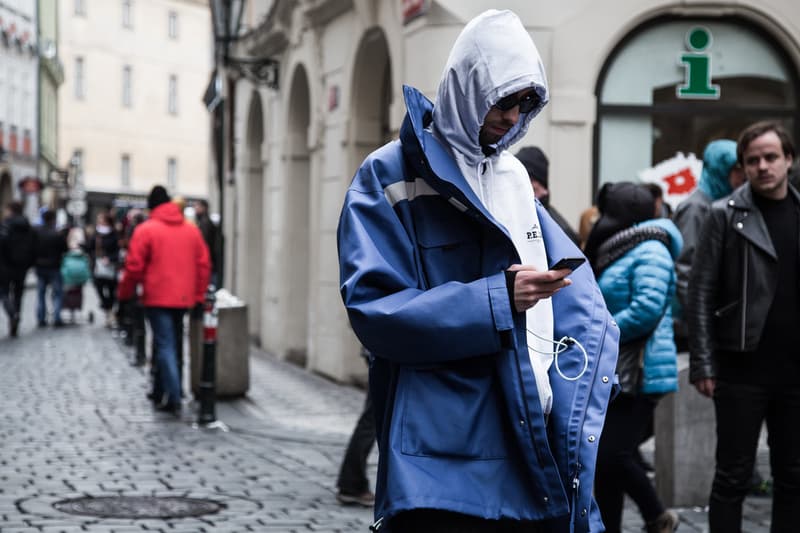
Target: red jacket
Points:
(168, 256)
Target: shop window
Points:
(652, 104)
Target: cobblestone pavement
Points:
(75, 423)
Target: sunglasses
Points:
(526, 104)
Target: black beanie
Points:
(535, 163)
(158, 195)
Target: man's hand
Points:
(706, 386)
(531, 285)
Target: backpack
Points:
(75, 268)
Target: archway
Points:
(254, 218)
(370, 107)
(647, 103)
(296, 220)
(6, 189)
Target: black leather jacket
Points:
(733, 281)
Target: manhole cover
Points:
(138, 506)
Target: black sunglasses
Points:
(526, 104)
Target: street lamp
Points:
(226, 19)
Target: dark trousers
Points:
(436, 521)
(741, 410)
(48, 277)
(11, 290)
(106, 291)
(353, 472)
(618, 470)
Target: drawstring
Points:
(484, 192)
(563, 345)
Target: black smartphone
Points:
(570, 263)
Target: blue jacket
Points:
(459, 422)
(638, 288)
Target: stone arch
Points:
(297, 219)
(254, 216)
(371, 96)
(6, 189)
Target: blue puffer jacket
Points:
(638, 288)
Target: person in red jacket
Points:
(170, 259)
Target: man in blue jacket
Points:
(490, 373)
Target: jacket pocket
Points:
(449, 246)
(454, 412)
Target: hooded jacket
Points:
(719, 158)
(422, 257)
(169, 258)
(638, 288)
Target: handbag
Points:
(630, 365)
(102, 269)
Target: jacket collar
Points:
(748, 221)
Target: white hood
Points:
(493, 57)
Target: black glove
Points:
(197, 312)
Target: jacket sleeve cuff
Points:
(501, 308)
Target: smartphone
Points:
(570, 263)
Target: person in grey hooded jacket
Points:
(720, 176)
(490, 372)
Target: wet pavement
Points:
(76, 425)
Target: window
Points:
(172, 174)
(172, 25)
(127, 96)
(77, 165)
(125, 170)
(127, 16)
(80, 8)
(79, 81)
(172, 100)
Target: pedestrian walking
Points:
(51, 245)
(633, 253)
(352, 484)
(75, 272)
(743, 310)
(478, 349)
(168, 257)
(212, 237)
(17, 254)
(105, 258)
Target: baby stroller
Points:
(75, 273)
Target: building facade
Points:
(51, 76)
(18, 99)
(632, 83)
(131, 113)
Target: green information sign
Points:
(697, 63)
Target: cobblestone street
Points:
(75, 422)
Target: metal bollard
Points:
(207, 388)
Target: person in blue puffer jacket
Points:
(490, 373)
(633, 255)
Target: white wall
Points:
(104, 128)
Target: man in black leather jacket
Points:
(743, 316)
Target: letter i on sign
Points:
(698, 67)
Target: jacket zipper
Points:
(576, 482)
(745, 269)
(377, 525)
